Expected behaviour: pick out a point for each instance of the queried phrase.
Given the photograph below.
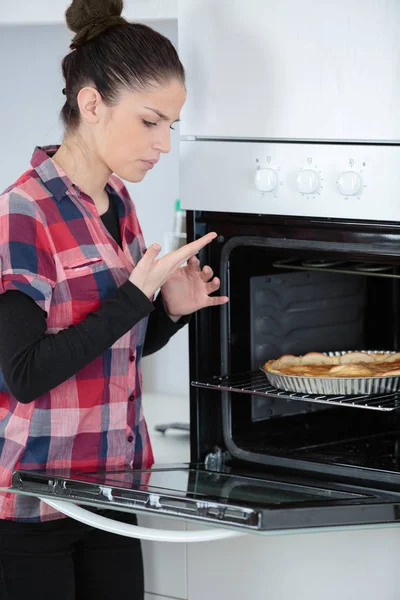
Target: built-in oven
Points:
(326, 281)
(296, 285)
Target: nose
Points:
(163, 143)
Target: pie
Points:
(350, 364)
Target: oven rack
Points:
(255, 383)
(295, 264)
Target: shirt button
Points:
(131, 398)
(132, 358)
(130, 439)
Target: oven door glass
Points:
(255, 502)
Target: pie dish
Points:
(348, 373)
(348, 364)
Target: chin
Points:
(132, 177)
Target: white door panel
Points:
(323, 566)
(164, 564)
(286, 69)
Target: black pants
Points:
(67, 560)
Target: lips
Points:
(149, 164)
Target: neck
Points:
(83, 167)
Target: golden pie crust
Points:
(351, 364)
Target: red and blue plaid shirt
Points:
(55, 248)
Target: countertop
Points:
(172, 446)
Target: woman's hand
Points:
(189, 288)
(151, 273)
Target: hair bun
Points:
(90, 18)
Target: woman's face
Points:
(133, 134)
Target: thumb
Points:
(152, 252)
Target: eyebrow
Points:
(161, 115)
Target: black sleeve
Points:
(33, 362)
(160, 328)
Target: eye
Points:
(152, 124)
(149, 123)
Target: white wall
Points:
(30, 101)
(28, 12)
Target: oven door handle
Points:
(134, 531)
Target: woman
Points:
(77, 297)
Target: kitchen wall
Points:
(30, 102)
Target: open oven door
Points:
(229, 501)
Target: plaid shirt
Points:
(55, 248)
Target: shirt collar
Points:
(52, 175)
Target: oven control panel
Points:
(349, 181)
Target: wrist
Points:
(174, 318)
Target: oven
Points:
(290, 151)
(296, 285)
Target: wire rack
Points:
(255, 383)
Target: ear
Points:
(91, 105)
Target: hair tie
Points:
(64, 91)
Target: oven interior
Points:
(283, 302)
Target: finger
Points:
(207, 273)
(184, 253)
(152, 252)
(217, 301)
(213, 286)
(194, 263)
(174, 260)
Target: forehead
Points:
(167, 99)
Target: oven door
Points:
(237, 501)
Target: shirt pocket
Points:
(79, 268)
(84, 279)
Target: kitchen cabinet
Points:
(330, 565)
(267, 45)
(26, 12)
(152, 597)
(165, 564)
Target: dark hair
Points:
(110, 53)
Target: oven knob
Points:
(266, 180)
(307, 181)
(349, 183)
